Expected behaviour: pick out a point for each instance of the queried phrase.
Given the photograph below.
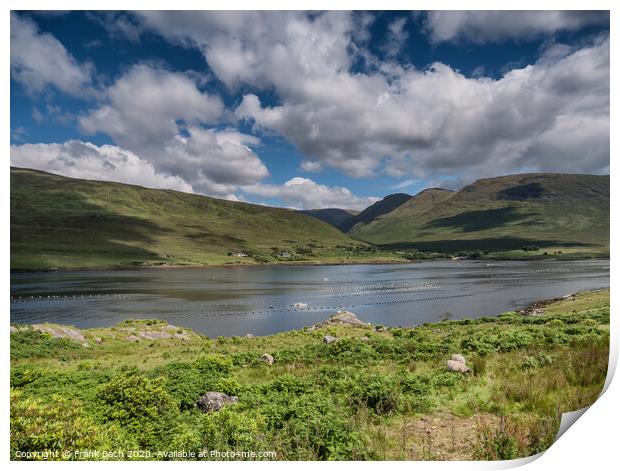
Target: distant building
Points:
(240, 254)
(285, 254)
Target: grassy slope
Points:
(552, 211)
(332, 216)
(387, 397)
(375, 210)
(59, 222)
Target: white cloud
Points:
(260, 48)
(485, 26)
(144, 106)
(422, 123)
(305, 193)
(39, 60)
(160, 116)
(85, 160)
(550, 115)
(397, 35)
(311, 166)
(398, 120)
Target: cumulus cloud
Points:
(85, 160)
(39, 60)
(426, 122)
(310, 166)
(485, 26)
(398, 120)
(161, 116)
(260, 48)
(386, 118)
(144, 107)
(304, 193)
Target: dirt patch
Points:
(442, 436)
(163, 332)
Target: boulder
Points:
(265, 357)
(458, 357)
(457, 364)
(345, 318)
(61, 332)
(329, 339)
(213, 401)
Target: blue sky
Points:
(306, 110)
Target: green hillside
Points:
(333, 216)
(59, 222)
(550, 213)
(372, 212)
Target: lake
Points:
(266, 299)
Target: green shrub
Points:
(228, 386)
(315, 427)
(537, 361)
(382, 396)
(185, 383)
(57, 426)
(33, 344)
(23, 374)
(229, 428)
(141, 405)
(348, 350)
(213, 363)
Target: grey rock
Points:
(458, 357)
(132, 338)
(329, 339)
(345, 318)
(265, 357)
(213, 401)
(457, 364)
(61, 332)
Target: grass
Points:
(374, 394)
(65, 223)
(561, 215)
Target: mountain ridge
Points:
(545, 210)
(67, 223)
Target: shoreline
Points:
(531, 309)
(302, 264)
(443, 382)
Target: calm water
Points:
(261, 299)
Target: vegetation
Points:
(374, 211)
(333, 216)
(515, 216)
(376, 393)
(66, 223)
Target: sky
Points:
(309, 109)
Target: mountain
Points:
(59, 222)
(554, 212)
(333, 216)
(372, 212)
